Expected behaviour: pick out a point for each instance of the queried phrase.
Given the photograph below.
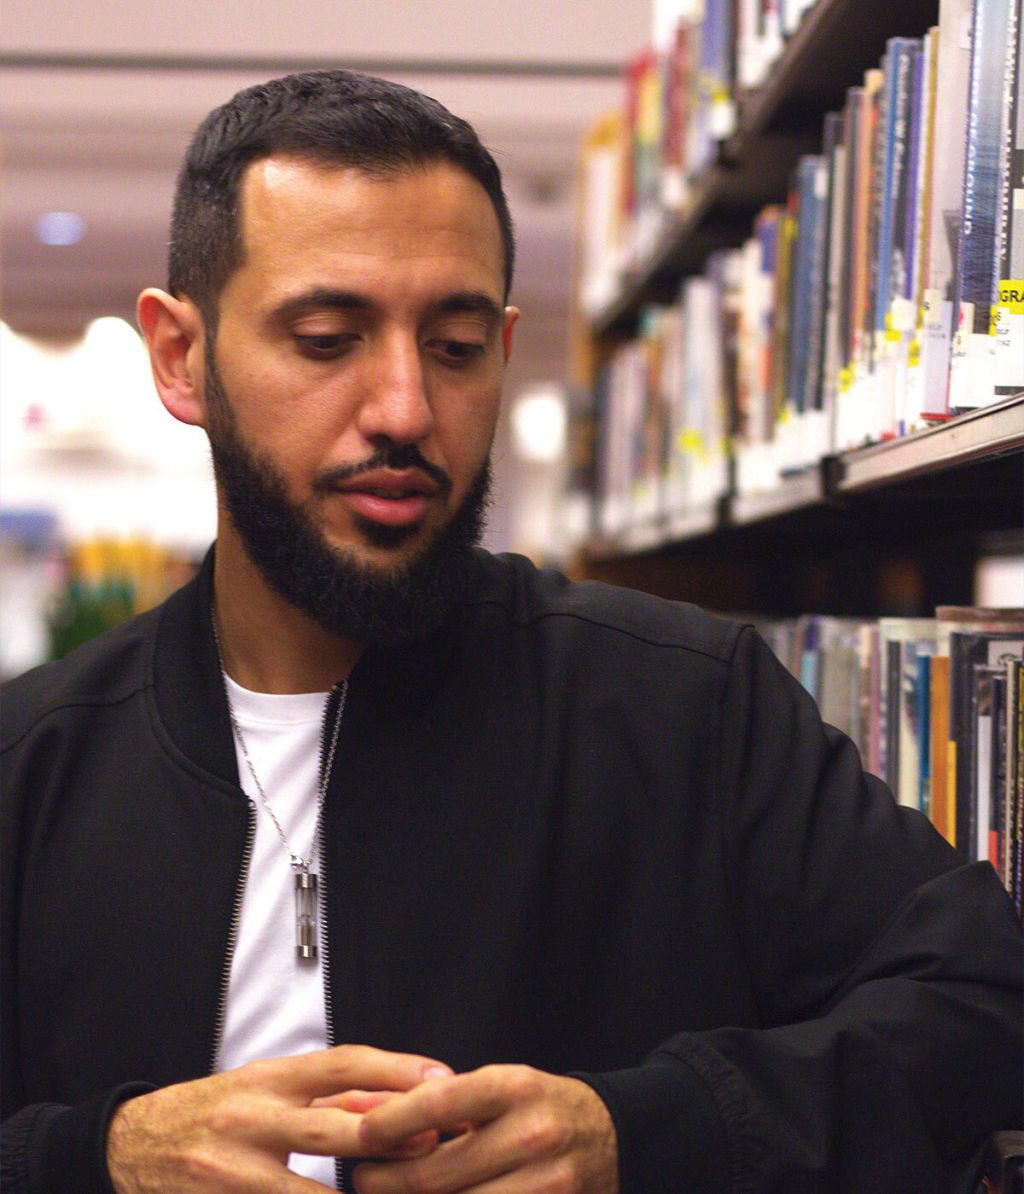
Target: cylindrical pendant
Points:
(306, 912)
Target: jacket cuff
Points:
(670, 1135)
(67, 1151)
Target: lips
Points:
(389, 497)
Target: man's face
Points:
(367, 312)
(358, 361)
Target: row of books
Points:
(662, 431)
(936, 707)
(680, 103)
(833, 325)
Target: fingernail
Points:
(436, 1071)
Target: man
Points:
(598, 900)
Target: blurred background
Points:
(102, 493)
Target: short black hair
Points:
(335, 117)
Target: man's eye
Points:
(459, 352)
(326, 345)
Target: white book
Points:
(953, 66)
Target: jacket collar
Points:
(190, 693)
(189, 689)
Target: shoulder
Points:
(546, 600)
(106, 671)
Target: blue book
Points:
(896, 179)
(810, 657)
(918, 120)
(976, 274)
(807, 275)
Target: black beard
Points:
(346, 597)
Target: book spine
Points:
(915, 398)
(898, 245)
(1009, 308)
(952, 77)
(924, 763)
(1017, 714)
(806, 265)
(972, 365)
(822, 365)
(997, 778)
(915, 152)
(939, 736)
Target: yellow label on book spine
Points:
(692, 443)
(1011, 296)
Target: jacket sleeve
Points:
(887, 974)
(52, 1149)
(45, 1148)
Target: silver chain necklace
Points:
(307, 902)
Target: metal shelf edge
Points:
(988, 431)
(794, 493)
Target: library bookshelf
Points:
(891, 527)
(836, 42)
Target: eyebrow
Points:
(474, 302)
(348, 300)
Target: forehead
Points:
(303, 222)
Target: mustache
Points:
(390, 456)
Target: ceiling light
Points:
(60, 228)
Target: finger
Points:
(512, 1143)
(351, 1067)
(359, 1101)
(453, 1166)
(449, 1103)
(416, 1146)
(302, 1123)
(321, 1131)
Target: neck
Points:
(267, 645)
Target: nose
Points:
(396, 403)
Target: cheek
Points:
(291, 422)
(466, 432)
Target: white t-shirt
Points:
(275, 1004)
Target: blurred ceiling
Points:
(98, 102)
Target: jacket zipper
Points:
(330, 713)
(236, 920)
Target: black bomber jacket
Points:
(578, 828)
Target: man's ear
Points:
(511, 317)
(173, 329)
